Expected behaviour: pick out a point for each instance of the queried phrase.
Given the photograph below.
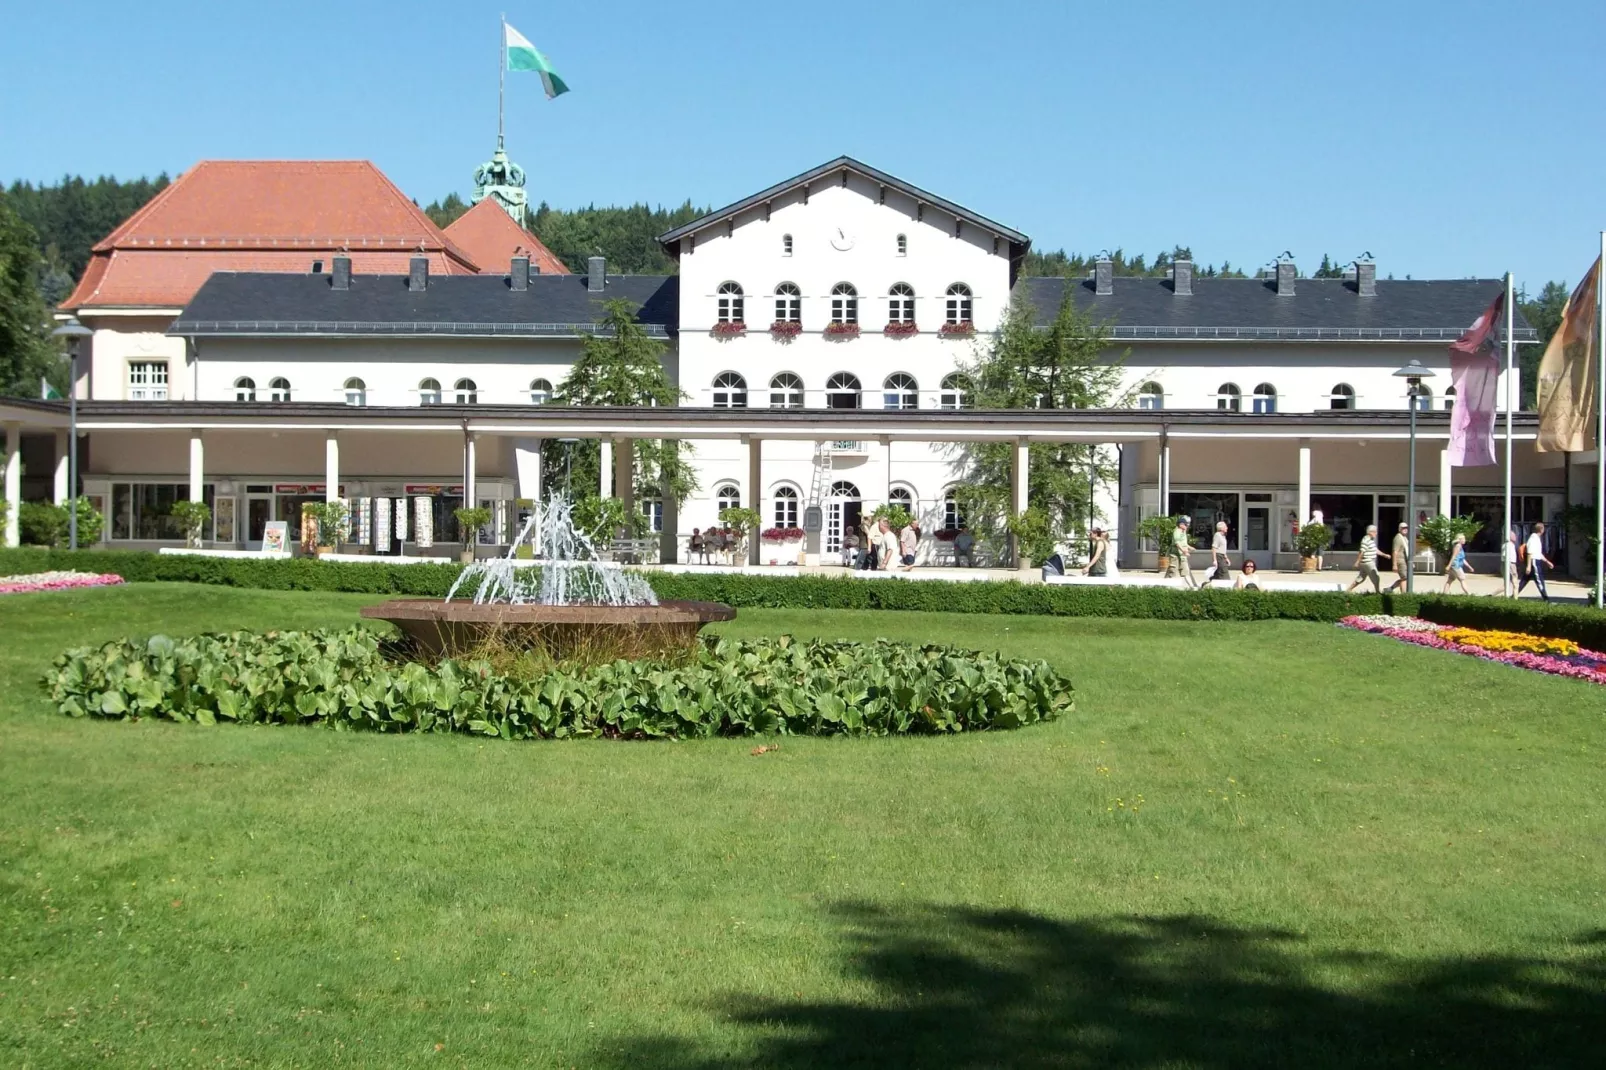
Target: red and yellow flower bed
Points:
(1559, 657)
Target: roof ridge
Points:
(456, 251)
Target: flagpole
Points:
(1600, 428)
(501, 77)
(1506, 566)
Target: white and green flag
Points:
(522, 56)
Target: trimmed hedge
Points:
(748, 591)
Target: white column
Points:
(13, 483)
(331, 466)
(1445, 478)
(755, 492)
(1304, 481)
(1165, 478)
(624, 474)
(606, 488)
(197, 467)
(1019, 477)
(61, 492)
(471, 464)
(527, 464)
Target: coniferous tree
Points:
(27, 352)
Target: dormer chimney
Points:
(1366, 278)
(1286, 272)
(340, 276)
(418, 274)
(1182, 278)
(1103, 276)
(519, 276)
(596, 274)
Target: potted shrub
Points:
(896, 516)
(1311, 541)
(740, 523)
(1034, 537)
(41, 524)
(469, 521)
(327, 519)
(193, 518)
(1438, 534)
(1159, 528)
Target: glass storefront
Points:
(144, 511)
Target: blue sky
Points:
(1449, 139)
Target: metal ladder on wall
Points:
(821, 478)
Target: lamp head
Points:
(73, 332)
(1414, 373)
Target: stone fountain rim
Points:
(430, 609)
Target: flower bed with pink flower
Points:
(56, 581)
(1584, 665)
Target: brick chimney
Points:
(519, 276)
(1103, 276)
(1182, 278)
(1286, 272)
(340, 276)
(418, 274)
(596, 274)
(1366, 278)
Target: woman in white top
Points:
(1508, 561)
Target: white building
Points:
(844, 288)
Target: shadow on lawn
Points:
(969, 988)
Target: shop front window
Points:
(1206, 508)
(143, 511)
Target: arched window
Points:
(844, 489)
(1424, 398)
(960, 304)
(730, 391)
(844, 303)
(954, 388)
(1229, 398)
(1150, 396)
(785, 507)
(429, 391)
(788, 303)
(903, 245)
(1342, 397)
(731, 303)
(727, 497)
(901, 303)
(279, 389)
(786, 245)
(902, 496)
(1265, 398)
(466, 392)
(900, 392)
(786, 391)
(356, 392)
(1449, 399)
(540, 391)
(842, 391)
(245, 389)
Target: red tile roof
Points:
(260, 215)
(491, 238)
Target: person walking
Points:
(1536, 562)
(1316, 517)
(870, 544)
(1400, 557)
(1456, 570)
(1220, 563)
(1508, 564)
(1180, 547)
(908, 543)
(886, 546)
(1098, 562)
(1366, 562)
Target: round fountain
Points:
(569, 603)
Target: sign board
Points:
(813, 519)
(276, 537)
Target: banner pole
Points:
(1507, 566)
(1600, 428)
(501, 77)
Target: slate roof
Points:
(255, 303)
(1251, 310)
(490, 236)
(835, 167)
(256, 215)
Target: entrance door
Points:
(258, 511)
(1257, 535)
(842, 512)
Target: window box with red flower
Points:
(785, 330)
(946, 535)
(782, 534)
(840, 331)
(962, 329)
(900, 329)
(729, 329)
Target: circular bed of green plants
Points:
(355, 680)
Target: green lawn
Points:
(1268, 844)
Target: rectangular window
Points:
(147, 380)
(786, 512)
(143, 511)
(1491, 508)
(1206, 509)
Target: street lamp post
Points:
(1413, 374)
(72, 332)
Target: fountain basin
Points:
(453, 629)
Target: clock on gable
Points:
(841, 241)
